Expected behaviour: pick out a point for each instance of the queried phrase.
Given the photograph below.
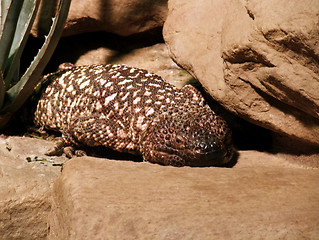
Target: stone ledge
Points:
(105, 199)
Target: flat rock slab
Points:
(262, 197)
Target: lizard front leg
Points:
(94, 130)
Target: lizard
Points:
(132, 110)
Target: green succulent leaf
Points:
(46, 12)
(24, 25)
(17, 18)
(2, 89)
(24, 88)
(4, 9)
(9, 23)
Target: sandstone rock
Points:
(262, 196)
(81, 50)
(263, 199)
(259, 59)
(123, 17)
(25, 187)
(154, 58)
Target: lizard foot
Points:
(69, 151)
(57, 150)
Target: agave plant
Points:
(17, 18)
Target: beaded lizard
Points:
(131, 110)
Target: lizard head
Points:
(193, 138)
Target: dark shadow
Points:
(70, 49)
(104, 152)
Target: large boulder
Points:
(259, 59)
(123, 17)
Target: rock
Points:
(262, 197)
(153, 58)
(25, 187)
(98, 198)
(123, 17)
(259, 59)
(81, 50)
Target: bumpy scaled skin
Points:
(131, 110)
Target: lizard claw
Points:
(80, 153)
(57, 150)
(69, 151)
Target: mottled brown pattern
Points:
(132, 110)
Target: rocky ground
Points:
(263, 196)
